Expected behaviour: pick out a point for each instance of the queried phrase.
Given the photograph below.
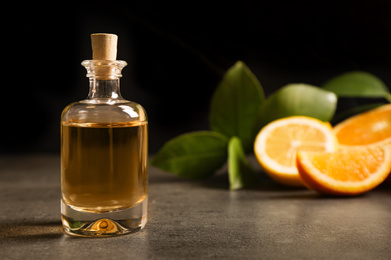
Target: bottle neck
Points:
(104, 78)
(104, 90)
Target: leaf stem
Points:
(388, 97)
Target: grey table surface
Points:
(195, 220)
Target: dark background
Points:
(177, 53)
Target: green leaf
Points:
(357, 84)
(194, 155)
(236, 104)
(240, 172)
(299, 99)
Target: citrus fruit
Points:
(365, 128)
(278, 142)
(349, 171)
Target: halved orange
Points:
(350, 171)
(365, 128)
(278, 142)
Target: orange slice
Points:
(365, 128)
(278, 142)
(345, 172)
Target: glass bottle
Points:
(104, 142)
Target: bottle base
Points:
(87, 224)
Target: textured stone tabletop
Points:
(195, 220)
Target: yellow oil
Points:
(103, 166)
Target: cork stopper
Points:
(104, 64)
(104, 46)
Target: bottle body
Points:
(104, 150)
(103, 164)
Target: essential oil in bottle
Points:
(104, 150)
